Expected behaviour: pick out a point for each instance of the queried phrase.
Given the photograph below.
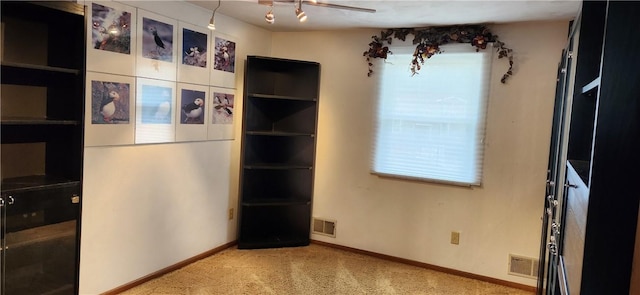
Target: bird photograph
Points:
(194, 46)
(222, 108)
(108, 105)
(156, 104)
(163, 112)
(192, 107)
(109, 102)
(111, 29)
(225, 55)
(157, 40)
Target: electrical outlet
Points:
(230, 213)
(455, 238)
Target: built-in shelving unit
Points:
(591, 87)
(600, 209)
(587, 81)
(42, 90)
(42, 95)
(278, 152)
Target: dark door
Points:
(548, 247)
(40, 243)
(3, 214)
(550, 242)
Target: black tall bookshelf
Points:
(599, 212)
(42, 96)
(278, 152)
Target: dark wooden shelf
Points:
(50, 9)
(274, 202)
(276, 166)
(279, 133)
(37, 75)
(599, 221)
(273, 241)
(35, 182)
(42, 234)
(582, 168)
(591, 87)
(67, 6)
(283, 97)
(36, 121)
(42, 68)
(43, 80)
(278, 152)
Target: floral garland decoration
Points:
(428, 43)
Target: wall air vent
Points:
(523, 266)
(324, 227)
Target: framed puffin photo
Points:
(193, 51)
(191, 112)
(223, 73)
(221, 114)
(109, 109)
(157, 46)
(111, 35)
(155, 111)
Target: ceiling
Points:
(394, 14)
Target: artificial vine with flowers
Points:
(429, 40)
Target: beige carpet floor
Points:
(314, 269)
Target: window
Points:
(431, 126)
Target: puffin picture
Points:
(193, 51)
(108, 105)
(102, 37)
(157, 39)
(226, 58)
(162, 112)
(193, 110)
(224, 106)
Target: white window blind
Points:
(431, 126)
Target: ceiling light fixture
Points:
(212, 21)
(299, 13)
(269, 17)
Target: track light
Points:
(269, 17)
(212, 21)
(299, 13)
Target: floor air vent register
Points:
(523, 266)
(324, 227)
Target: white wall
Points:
(146, 207)
(413, 220)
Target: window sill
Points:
(427, 180)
